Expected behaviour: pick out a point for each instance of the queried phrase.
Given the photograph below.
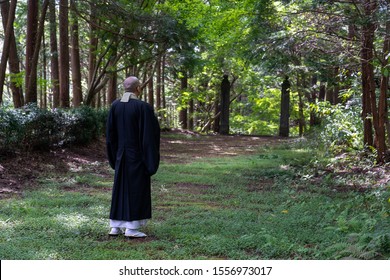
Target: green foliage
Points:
(341, 127)
(31, 128)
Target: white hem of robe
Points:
(128, 224)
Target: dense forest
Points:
(225, 66)
(274, 122)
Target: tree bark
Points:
(163, 100)
(64, 54)
(151, 87)
(31, 38)
(368, 82)
(321, 96)
(54, 67)
(13, 59)
(191, 114)
(183, 116)
(112, 91)
(93, 45)
(158, 84)
(31, 89)
(76, 71)
(382, 106)
(225, 105)
(284, 128)
(43, 93)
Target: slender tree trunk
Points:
(13, 59)
(112, 88)
(113, 80)
(225, 105)
(151, 88)
(284, 128)
(329, 93)
(368, 83)
(32, 27)
(64, 54)
(44, 74)
(164, 103)
(314, 120)
(382, 106)
(54, 67)
(183, 116)
(191, 114)
(158, 84)
(31, 89)
(301, 86)
(93, 45)
(321, 96)
(76, 71)
(6, 47)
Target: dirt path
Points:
(21, 171)
(181, 147)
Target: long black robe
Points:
(133, 149)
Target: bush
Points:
(341, 128)
(31, 128)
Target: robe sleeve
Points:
(111, 138)
(150, 141)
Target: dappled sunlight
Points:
(48, 255)
(72, 220)
(99, 210)
(285, 167)
(8, 224)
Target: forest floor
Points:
(213, 197)
(20, 171)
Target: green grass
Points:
(246, 207)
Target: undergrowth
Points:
(279, 203)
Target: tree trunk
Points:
(382, 106)
(225, 105)
(314, 120)
(13, 59)
(164, 103)
(43, 102)
(54, 67)
(321, 96)
(301, 86)
(158, 85)
(183, 117)
(368, 82)
(284, 128)
(191, 114)
(151, 88)
(31, 89)
(93, 43)
(76, 71)
(112, 91)
(6, 47)
(31, 38)
(64, 54)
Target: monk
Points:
(133, 150)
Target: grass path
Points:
(214, 197)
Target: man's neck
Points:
(128, 95)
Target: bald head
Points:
(131, 84)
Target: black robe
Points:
(133, 148)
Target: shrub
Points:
(30, 127)
(341, 128)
